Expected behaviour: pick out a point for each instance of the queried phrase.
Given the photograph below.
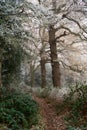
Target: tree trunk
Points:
(43, 73)
(32, 82)
(54, 58)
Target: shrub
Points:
(76, 101)
(45, 92)
(18, 111)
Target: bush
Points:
(18, 111)
(45, 92)
(77, 101)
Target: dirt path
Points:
(52, 121)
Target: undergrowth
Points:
(76, 106)
(18, 110)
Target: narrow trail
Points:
(52, 120)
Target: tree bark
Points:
(32, 73)
(43, 73)
(54, 58)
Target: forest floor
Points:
(48, 112)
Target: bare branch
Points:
(68, 29)
(75, 21)
(62, 35)
(75, 69)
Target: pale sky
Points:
(33, 1)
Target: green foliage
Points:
(18, 110)
(13, 118)
(10, 24)
(12, 57)
(74, 128)
(76, 101)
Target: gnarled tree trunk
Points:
(54, 58)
